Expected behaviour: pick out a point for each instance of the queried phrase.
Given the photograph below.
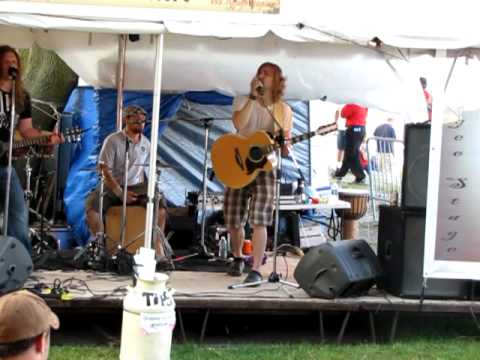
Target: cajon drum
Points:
(134, 228)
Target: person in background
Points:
(250, 114)
(428, 97)
(341, 138)
(385, 148)
(25, 325)
(356, 117)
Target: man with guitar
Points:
(262, 109)
(10, 68)
(112, 165)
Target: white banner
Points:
(452, 242)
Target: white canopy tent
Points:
(321, 47)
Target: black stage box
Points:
(401, 242)
(415, 166)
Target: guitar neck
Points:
(302, 137)
(322, 130)
(41, 140)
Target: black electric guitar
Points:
(237, 159)
(22, 145)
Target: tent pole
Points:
(122, 50)
(157, 90)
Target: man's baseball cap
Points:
(134, 110)
(24, 315)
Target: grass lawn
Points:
(425, 348)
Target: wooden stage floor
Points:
(208, 292)
(94, 291)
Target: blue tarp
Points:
(181, 142)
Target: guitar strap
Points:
(279, 114)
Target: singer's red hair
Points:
(19, 91)
(278, 80)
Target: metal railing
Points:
(385, 164)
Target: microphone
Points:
(260, 90)
(13, 72)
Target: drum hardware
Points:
(93, 255)
(121, 256)
(42, 242)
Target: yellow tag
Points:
(46, 291)
(66, 296)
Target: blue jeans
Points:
(18, 212)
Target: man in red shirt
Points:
(355, 116)
(428, 97)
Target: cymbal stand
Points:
(203, 248)
(38, 248)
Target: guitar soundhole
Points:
(255, 154)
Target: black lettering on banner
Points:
(457, 183)
(450, 236)
(457, 124)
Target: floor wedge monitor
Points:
(338, 269)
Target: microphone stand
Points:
(124, 260)
(10, 152)
(274, 276)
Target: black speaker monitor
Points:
(415, 166)
(338, 269)
(401, 242)
(15, 264)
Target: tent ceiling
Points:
(343, 73)
(320, 47)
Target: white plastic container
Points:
(148, 320)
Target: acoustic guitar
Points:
(70, 135)
(238, 159)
